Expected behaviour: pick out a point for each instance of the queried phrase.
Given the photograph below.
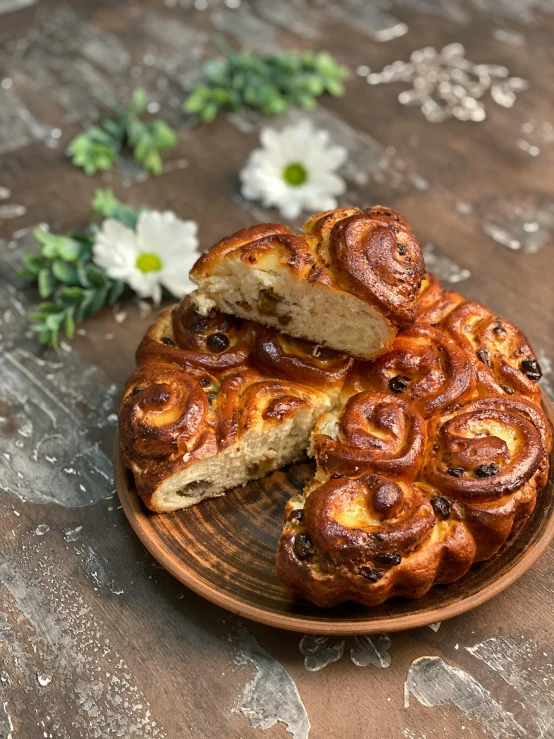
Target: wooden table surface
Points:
(96, 640)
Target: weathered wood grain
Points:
(96, 640)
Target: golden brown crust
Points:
(374, 255)
(376, 432)
(202, 381)
(201, 344)
(504, 361)
(430, 466)
(250, 244)
(483, 451)
(425, 367)
(433, 303)
(299, 360)
(245, 400)
(370, 254)
(163, 419)
(369, 540)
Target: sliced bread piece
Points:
(216, 401)
(349, 281)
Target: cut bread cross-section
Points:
(216, 401)
(349, 281)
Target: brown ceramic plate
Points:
(224, 549)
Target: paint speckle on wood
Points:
(524, 665)
(435, 682)
(271, 696)
(320, 651)
(51, 459)
(49, 630)
(371, 650)
(442, 266)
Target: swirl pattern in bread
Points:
(427, 458)
(348, 282)
(430, 464)
(216, 401)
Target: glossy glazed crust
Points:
(431, 463)
(202, 382)
(371, 254)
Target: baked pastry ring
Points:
(427, 458)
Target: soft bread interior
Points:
(270, 294)
(260, 450)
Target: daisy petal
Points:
(115, 248)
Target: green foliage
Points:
(97, 148)
(108, 206)
(72, 286)
(269, 83)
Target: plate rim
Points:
(137, 515)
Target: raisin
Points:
(499, 331)
(401, 249)
(532, 369)
(135, 390)
(483, 355)
(373, 575)
(389, 558)
(204, 382)
(169, 342)
(217, 343)
(455, 471)
(336, 476)
(303, 547)
(268, 301)
(487, 470)
(441, 506)
(507, 389)
(296, 515)
(398, 384)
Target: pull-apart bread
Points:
(216, 401)
(431, 460)
(427, 458)
(349, 281)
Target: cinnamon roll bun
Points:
(504, 362)
(374, 432)
(433, 303)
(424, 367)
(367, 540)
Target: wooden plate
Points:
(224, 549)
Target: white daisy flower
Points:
(159, 253)
(295, 170)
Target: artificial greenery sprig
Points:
(97, 148)
(67, 276)
(270, 83)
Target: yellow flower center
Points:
(148, 262)
(295, 174)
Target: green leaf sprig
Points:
(270, 83)
(72, 286)
(97, 148)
